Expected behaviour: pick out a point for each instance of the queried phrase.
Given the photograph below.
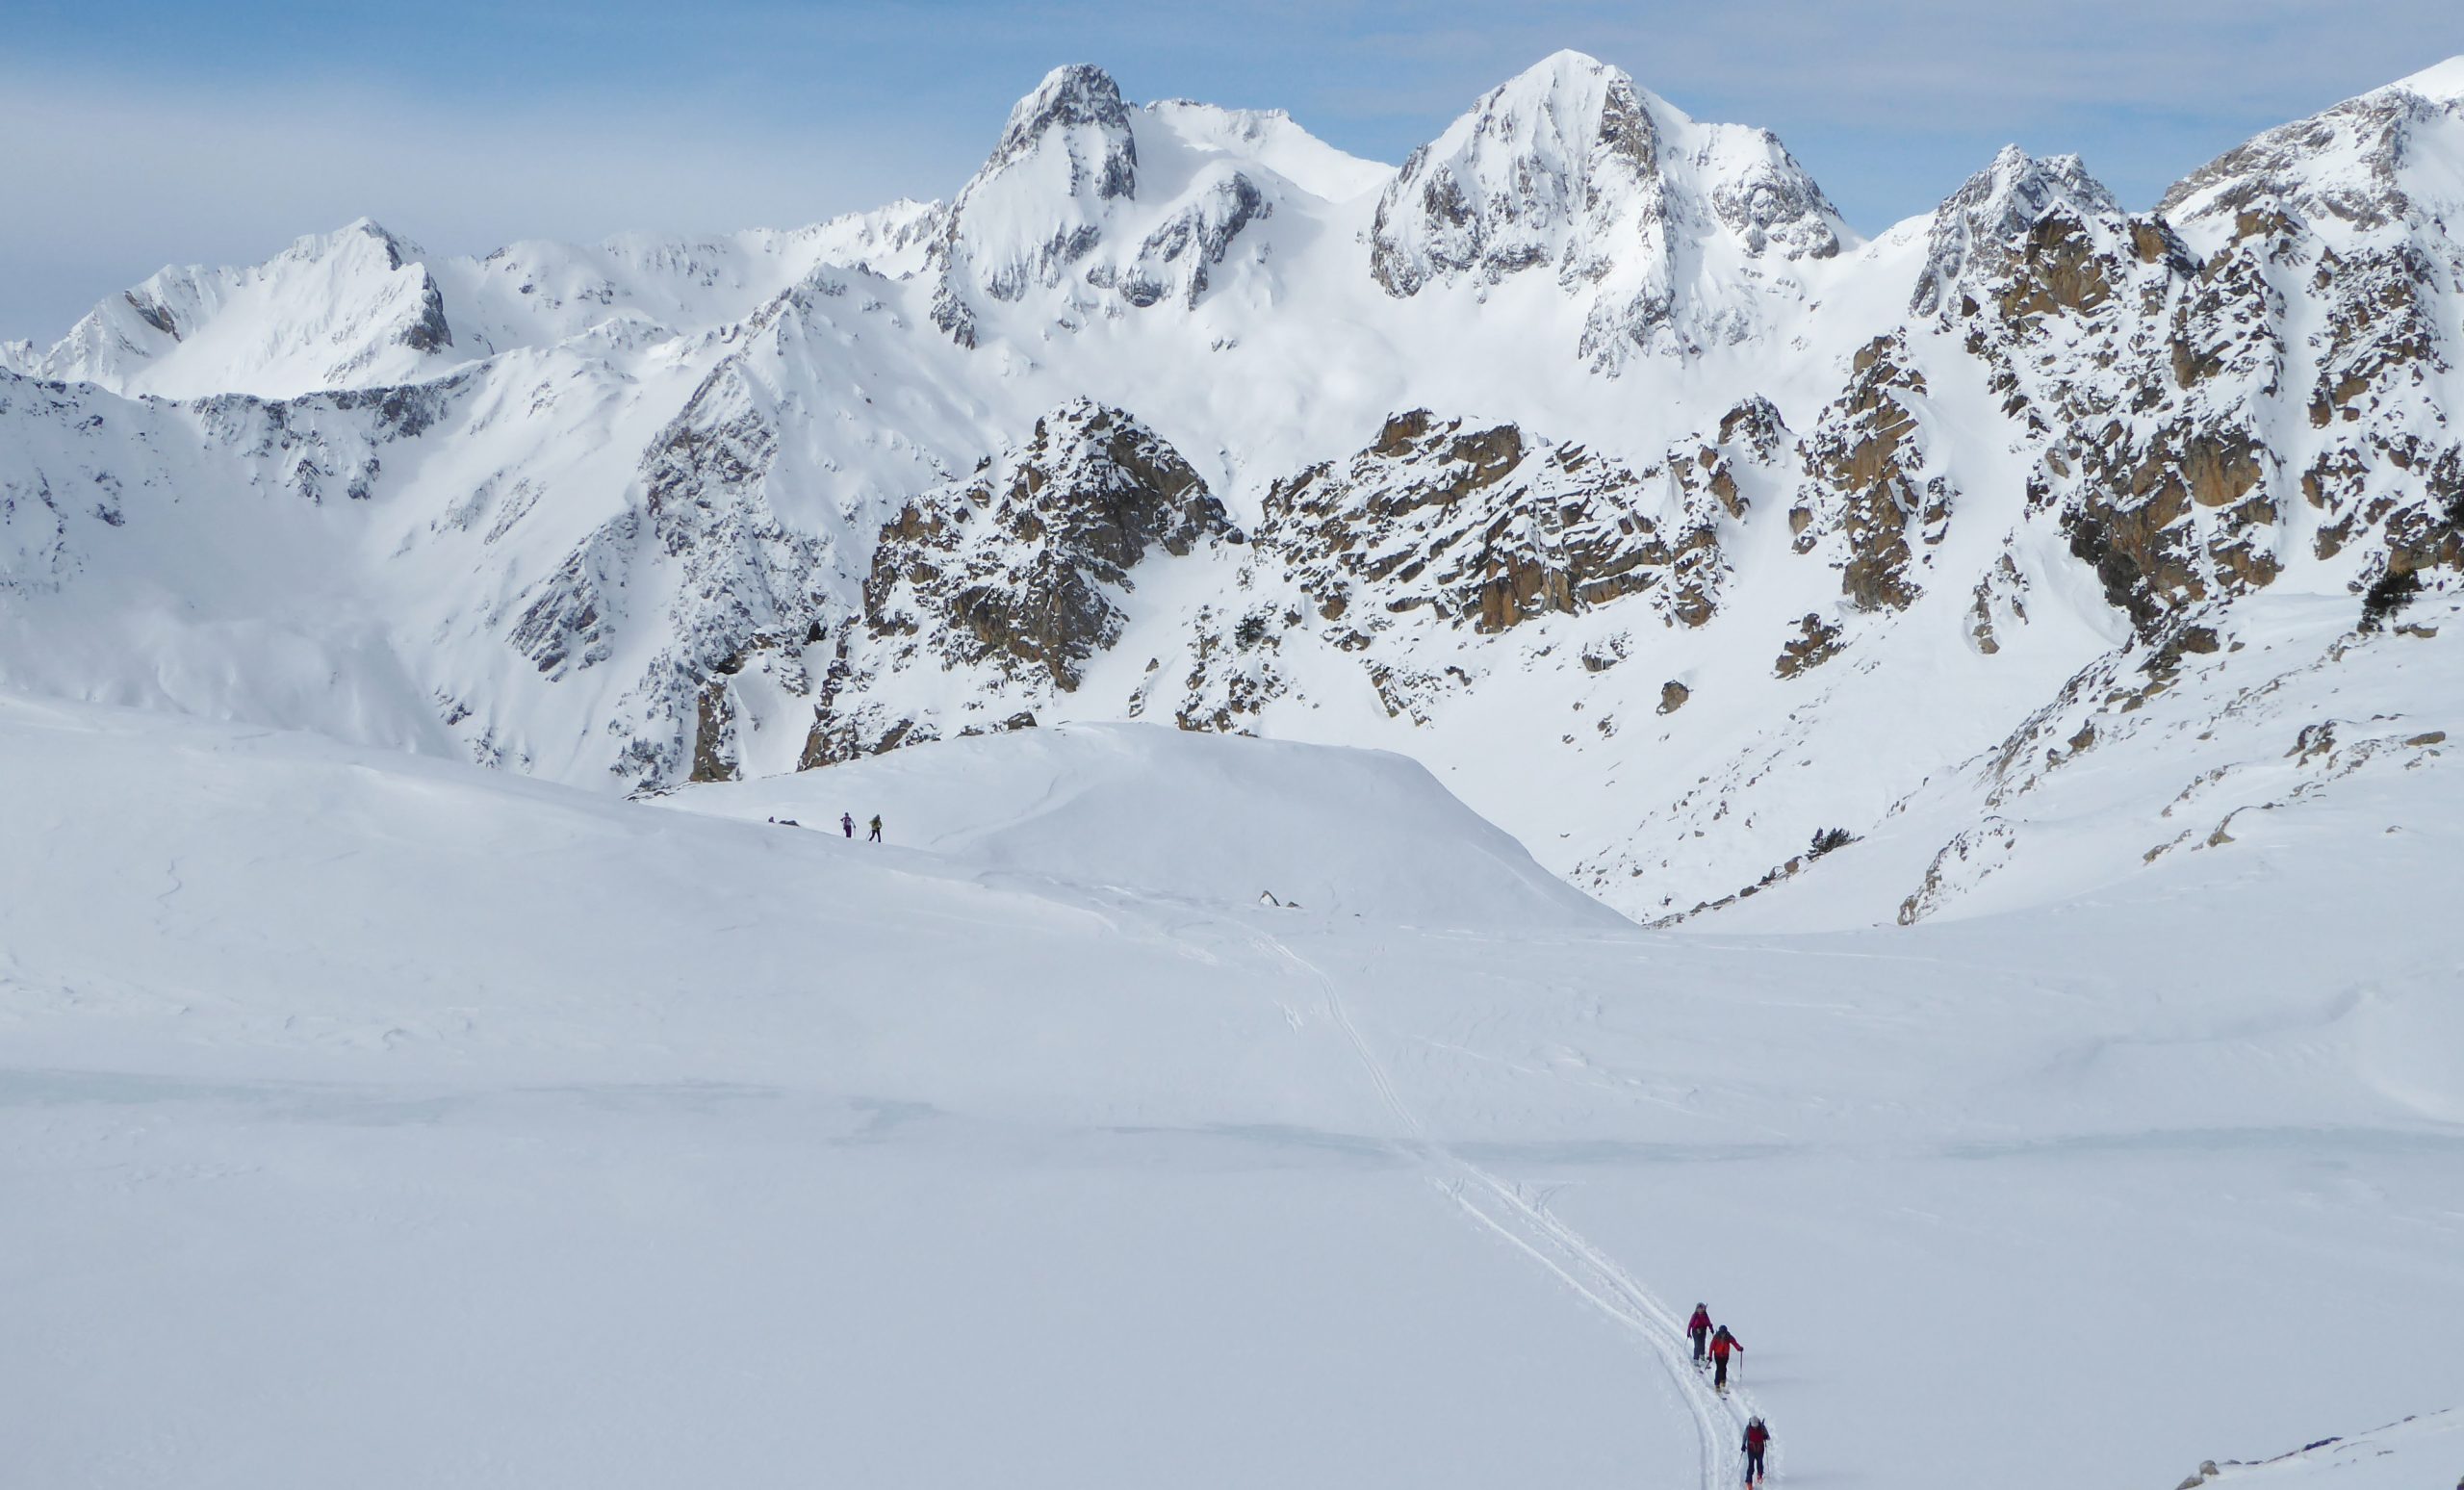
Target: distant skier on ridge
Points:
(1723, 1346)
(1698, 1331)
(877, 828)
(847, 824)
(1757, 1438)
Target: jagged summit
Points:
(1994, 205)
(1077, 109)
(1632, 206)
(402, 249)
(1089, 209)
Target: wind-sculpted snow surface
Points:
(1588, 458)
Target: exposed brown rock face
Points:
(1817, 642)
(1484, 526)
(1866, 490)
(1439, 524)
(1013, 576)
(1019, 567)
(2142, 377)
(2060, 270)
(714, 757)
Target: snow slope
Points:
(1580, 504)
(1334, 832)
(2418, 1451)
(384, 1118)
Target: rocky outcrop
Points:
(1012, 578)
(1448, 526)
(1870, 501)
(1490, 528)
(1020, 566)
(1978, 226)
(1173, 260)
(2366, 165)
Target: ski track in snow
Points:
(1524, 1221)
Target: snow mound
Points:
(1211, 818)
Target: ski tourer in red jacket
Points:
(1723, 1345)
(1757, 1439)
(1698, 1329)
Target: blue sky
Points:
(140, 134)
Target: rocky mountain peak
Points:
(1572, 167)
(350, 307)
(1507, 185)
(1067, 158)
(1076, 109)
(1994, 207)
(398, 249)
(2391, 158)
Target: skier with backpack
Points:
(1757, 1438)
(1723, 1346)
(877, 828)
(1698, 1331)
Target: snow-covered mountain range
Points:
(1588, 457)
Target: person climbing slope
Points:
(1757, 1439)
(847, 824)
(1698, 1331)
(877, 828)
(1723, 1346)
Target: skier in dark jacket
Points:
(1698, 1331)
(1757, 1439)
(847, 824)
(877, 828)
(1723, 1346)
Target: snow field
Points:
(382, 1119)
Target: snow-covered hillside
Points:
(1470, 753)
(392, 1121)
(1225, 823)
(1587, 457)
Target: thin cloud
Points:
(123, 181)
